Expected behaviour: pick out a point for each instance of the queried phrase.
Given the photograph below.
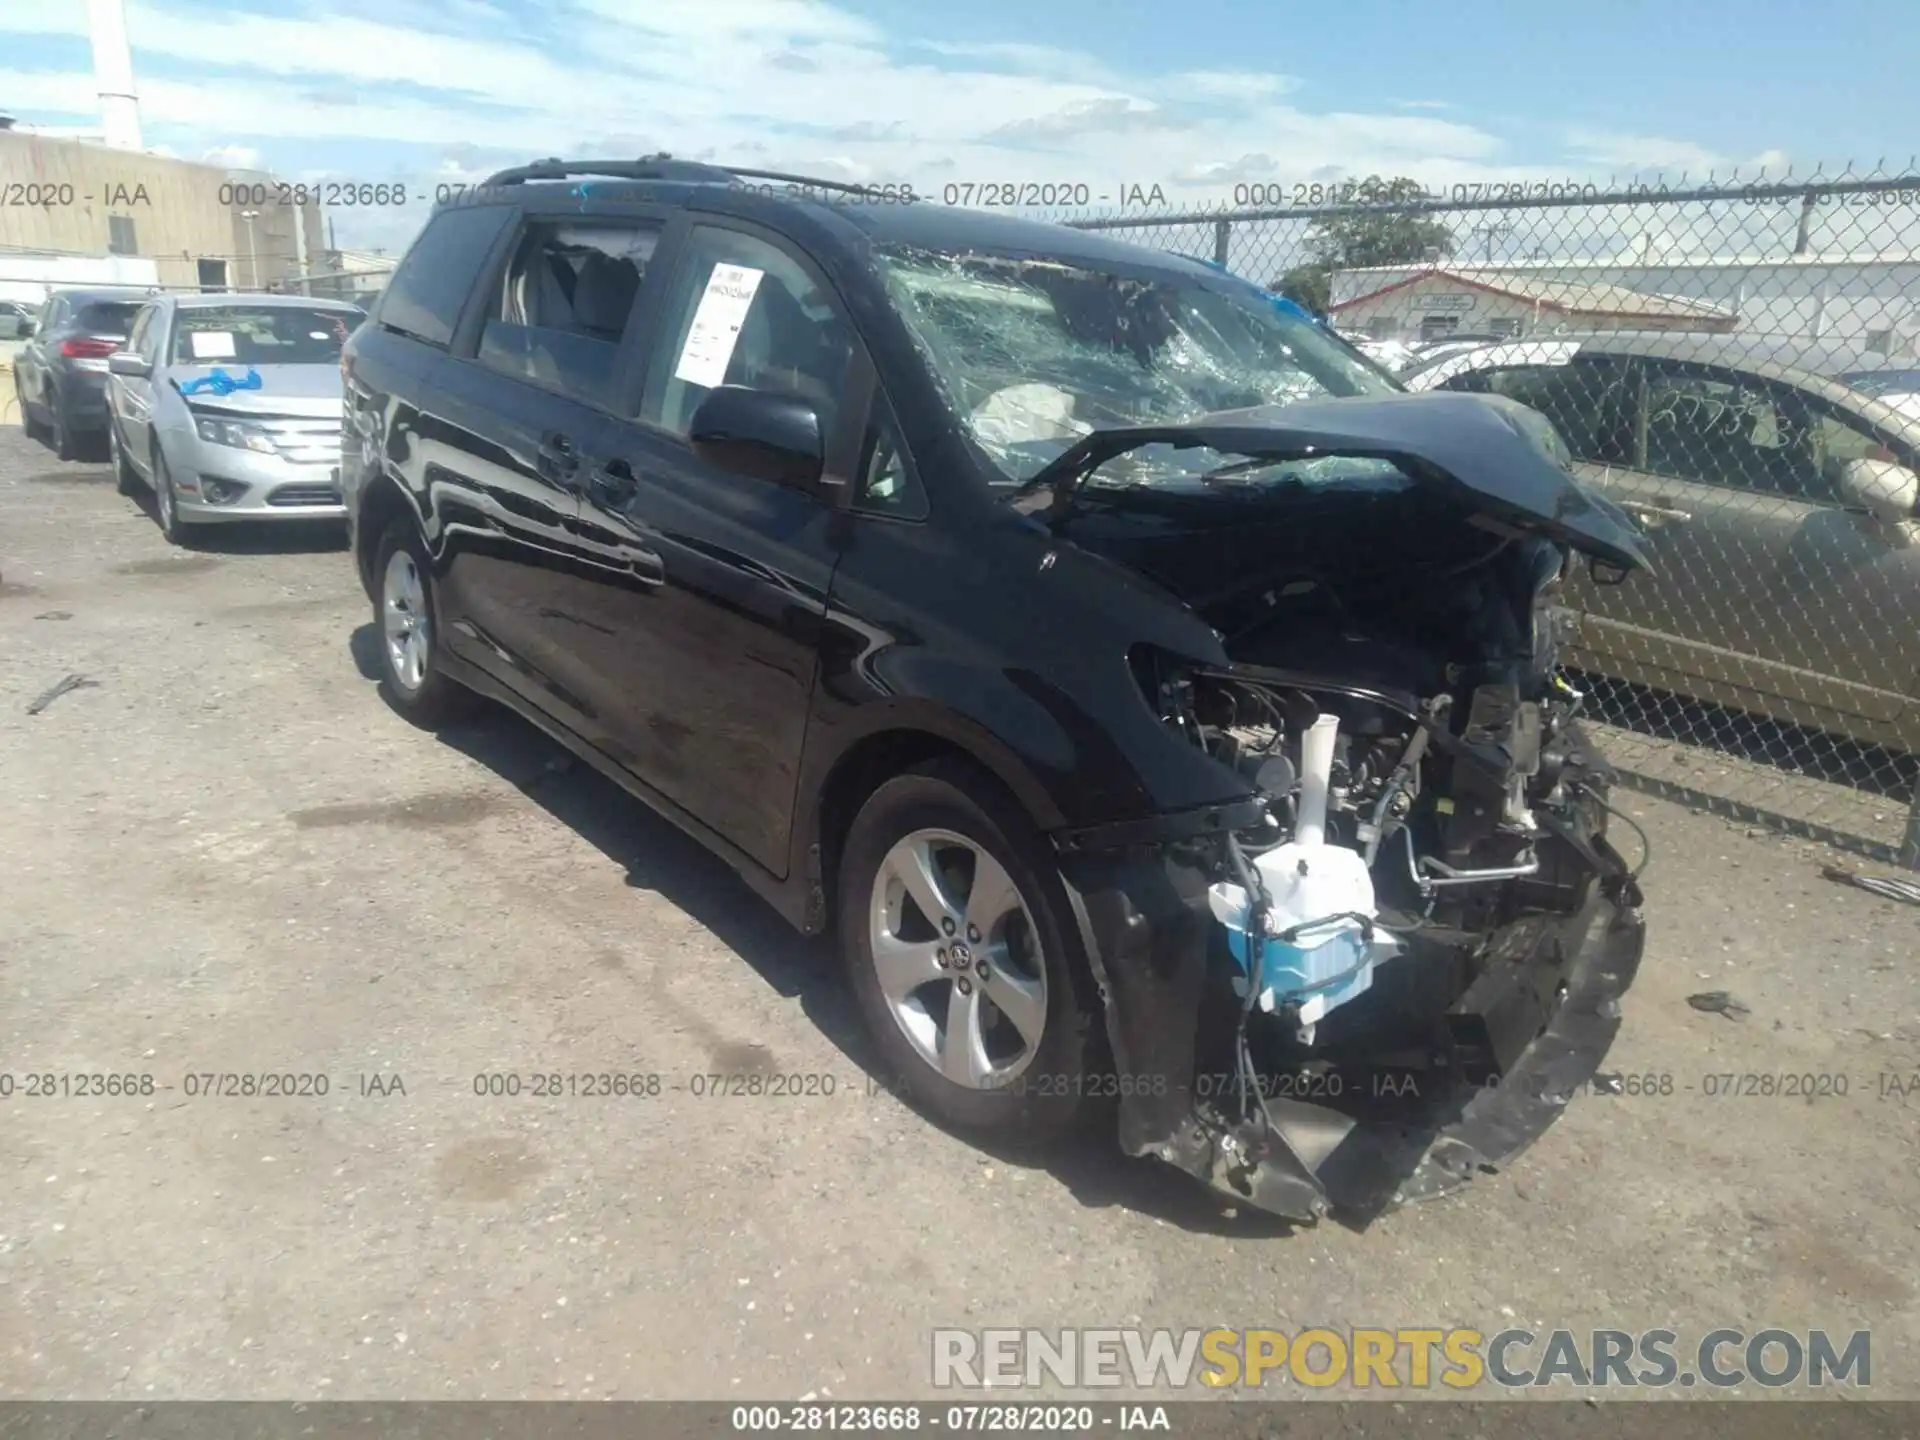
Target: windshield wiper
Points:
(1063, 474)
(1239, 467)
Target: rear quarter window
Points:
(426, 293)
(108, 317)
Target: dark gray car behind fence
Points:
(1770, 669)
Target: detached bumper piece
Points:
(1519, 1045)
(1409, 1095)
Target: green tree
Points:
(1377, 231)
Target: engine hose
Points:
(1259, 903)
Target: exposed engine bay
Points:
(1390, 936)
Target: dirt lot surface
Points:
(225, 854)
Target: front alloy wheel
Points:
(960, 944)
(958, 958)
(166, 505)
(125, 478)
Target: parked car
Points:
(1432, 353)
(16, 319)
(1390, 355)
(227, 407)
(1899, 388)
(60, 374)
(1782, 510)
(1039, 613)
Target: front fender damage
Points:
(1383, 1125)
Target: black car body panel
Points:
(1489, 449)
(753, 659)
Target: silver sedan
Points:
(228, 408)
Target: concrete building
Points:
(1869, 301)
(202, 226)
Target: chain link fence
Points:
(356, 287)
(1736, 364)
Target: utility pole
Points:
(300, 244)
(1493, 230)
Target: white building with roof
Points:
(1865, 301)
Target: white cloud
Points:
(235, 157)
(730, 21)
(451, 89)
(1233, 84)
(1631, 155)
(60, 17)
(1021, 58)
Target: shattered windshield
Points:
(1035, 354)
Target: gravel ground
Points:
(226, 854)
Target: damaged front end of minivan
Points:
(1393, 961)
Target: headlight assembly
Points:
(237, 433)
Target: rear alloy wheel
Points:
(66, 444)
(974, 989)
(409, 634)
(166, 505)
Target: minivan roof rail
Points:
(647, 167)
(660, 167)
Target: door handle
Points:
(612, 484)
(558, 457)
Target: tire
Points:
(1025, 1098)
(125, 478)
(166, 504)
(406, 616)
(66, 445)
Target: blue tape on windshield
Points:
(220, 383)
(1280, 302)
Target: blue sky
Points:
(1195, 96)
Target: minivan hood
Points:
(307, 391)
(1487, 448)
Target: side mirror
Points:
(1880, 487)
(1606, 572)
(760, 434)
(129, 362)
(27, 327)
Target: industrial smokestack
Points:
(113, 73)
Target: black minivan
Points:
(1041, 614)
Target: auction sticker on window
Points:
(716, 325)
(212, 344)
